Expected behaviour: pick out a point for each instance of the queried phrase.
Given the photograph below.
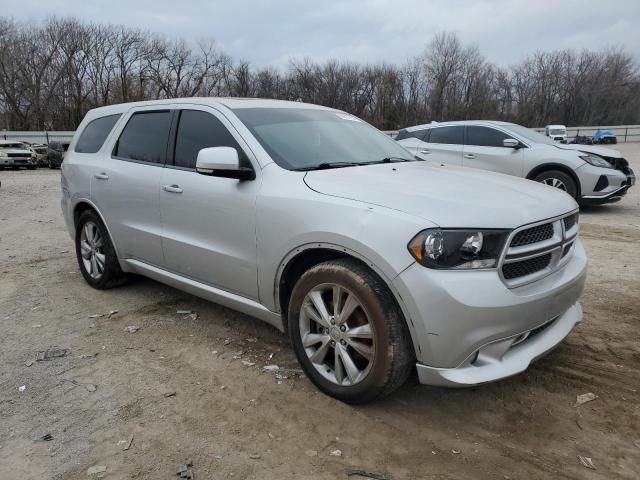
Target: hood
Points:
(602, 151)
(15, 150)
(446, 196)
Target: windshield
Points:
(298, 138)
(13, 145)
(529, 134)
(557, 131)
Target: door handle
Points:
(172, 188)
(470, 156)
(425, 152)
(101, 176)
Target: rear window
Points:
(450, 135)
(485, 137)
(95, 133)
(145, 137)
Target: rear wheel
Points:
(348, 333)
(96, 256)
(559, 180)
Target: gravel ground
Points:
(193, 388)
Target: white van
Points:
(556, 132)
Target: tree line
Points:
(53, 72)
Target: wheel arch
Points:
(545, 167)
(84, 205)
(302, 258)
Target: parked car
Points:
(39, 151)
(557, 133)
(582, 140)
(591, 175)
(604, 136)
(56, 153)
(13, 154)
(317, 223)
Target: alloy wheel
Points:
(337, 334)
(92, 250)
(556, 183)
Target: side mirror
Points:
(222, 162)
(511, 143)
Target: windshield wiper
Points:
(326, 165)
(389, 160)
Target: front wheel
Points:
(559, 180)
(96, 256)
(348, 333)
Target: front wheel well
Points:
(555, 166)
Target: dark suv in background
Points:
(55, 153)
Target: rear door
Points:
(413, 140)
(209, 231)
(125, 184)
(444, 144)
(484, 149)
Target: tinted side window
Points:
(419, 134)
(95, 133)
(485, 137)
(145, 137)
(451, 135)
(198, 130)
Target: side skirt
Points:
(216, 295)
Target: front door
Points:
(208, 223)
(484, 149)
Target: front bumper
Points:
(468, 327)
(507, 357)
(617, 183)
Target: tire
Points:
(558, 179)
(391, 354)
(108, 274)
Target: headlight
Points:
(595, 160)
(3, 155)
(458, 249)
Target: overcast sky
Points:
(271, 31)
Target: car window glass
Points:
(450, 135)
(95, 133)
(65, 146)
(144, 138)
(485, 136)
(198, 130)
(403, 134)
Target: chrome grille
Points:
(531, 235)
(526, 267)
(570, 221)
(537, 250)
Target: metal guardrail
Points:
(624, 133)
(35, 137)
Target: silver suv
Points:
(317, 223)
(591, 175)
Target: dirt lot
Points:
(234, 420)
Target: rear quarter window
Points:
(419, 134)
(95, 133)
